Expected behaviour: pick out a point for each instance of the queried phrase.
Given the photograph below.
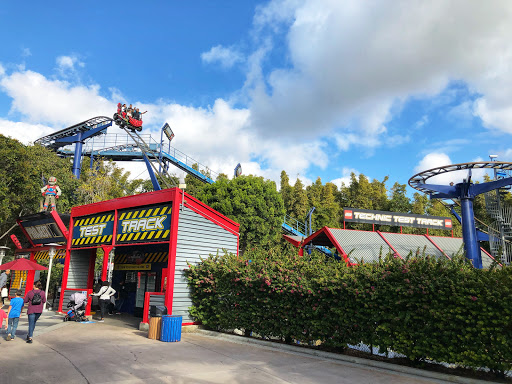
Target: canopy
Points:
(22, 265)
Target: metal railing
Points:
(108, 145)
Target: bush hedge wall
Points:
(423, 308)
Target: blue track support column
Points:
(156, 185)
(77, 161)
(469, 233)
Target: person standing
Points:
(105, 292)
(35, 299)
(122, 294)
(4, 292)
(14, 315)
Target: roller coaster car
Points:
(127, 122)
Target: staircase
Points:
(18, 281)
(152, 158)
(500, 230)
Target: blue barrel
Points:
(171, 328)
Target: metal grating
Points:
(450, 245)
(417, 244)
(361, 245)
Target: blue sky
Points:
(315, 88)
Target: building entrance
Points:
(137, 270)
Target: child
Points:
(3, 316)
(14, 315)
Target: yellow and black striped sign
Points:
(93, 230)
(154, 257)
(44, 255)
(144, 225)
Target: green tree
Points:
(299, 201)
(328, 212)
(380, 194)
(399, 201)
(286, 191)
(105, 181)
(252, 202)
(194, 185)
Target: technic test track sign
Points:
(396, 219)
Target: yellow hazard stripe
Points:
(137, 236)
(158, 234)
(166, 233)
(164, 209)
(149, 212)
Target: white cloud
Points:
(69, 62)
(24, 132)
(2, 70)
(53, 102)
(345, 178)
(350, 60)
(226, 57)
(25, 52)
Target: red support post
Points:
(65, 273)
(31, 274)
(145, 318)
(106, 252)
(173, 239)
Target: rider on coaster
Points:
(130, 115)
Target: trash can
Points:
(157, 310)
(155, 328)
(171, 328)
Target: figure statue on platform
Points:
(50, 192)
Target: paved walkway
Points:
(116, 352)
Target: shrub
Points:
(421, 307)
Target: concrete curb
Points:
(420, 373)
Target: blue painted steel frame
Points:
(78, 140)
(466, 192)
(156, 185)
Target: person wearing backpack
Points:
(35, 300)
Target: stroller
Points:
(77, 304)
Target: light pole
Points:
(3, 249)
(51, 255)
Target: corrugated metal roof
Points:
(450, 245)
(361, 245)
(404, 244)
(368, 245)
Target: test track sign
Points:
(396, 219)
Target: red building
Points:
(146, 241)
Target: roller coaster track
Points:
(150, 157)
(94, 129)
(86, 129)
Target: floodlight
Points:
(168, 131)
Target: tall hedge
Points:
(422, 307)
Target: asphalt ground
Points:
(117, 352)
